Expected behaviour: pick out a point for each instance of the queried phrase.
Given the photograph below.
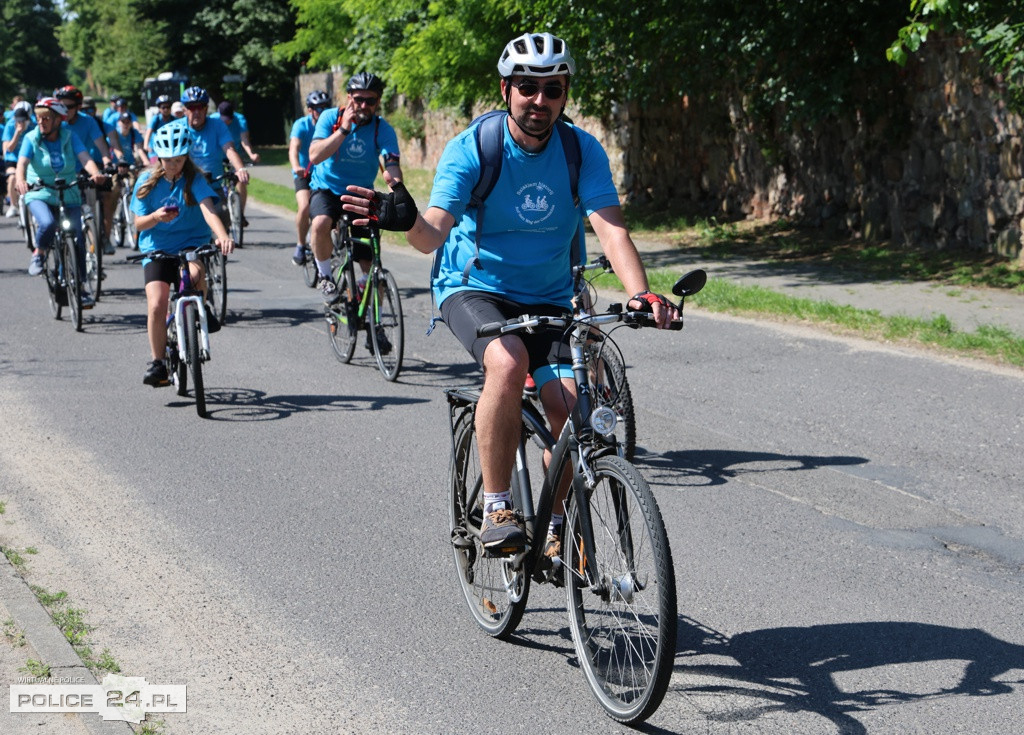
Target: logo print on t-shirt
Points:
(356, 150)
(198, 146)
(534, 207)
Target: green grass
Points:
(35, 668)
(275, 194)
(71, 622)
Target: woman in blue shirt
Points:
(174, 209)
(49, 152)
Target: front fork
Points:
(180, 326)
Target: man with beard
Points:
(346, 148)
(516, 258)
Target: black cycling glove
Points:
(394, 210)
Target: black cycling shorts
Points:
(325, 202)
(168, 271)
(548, 349)
(301, 182)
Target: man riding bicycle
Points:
(517, 259)
(346, 146)
(298, 156)
(49, 152)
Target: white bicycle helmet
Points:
(536, 55)
(172, 140)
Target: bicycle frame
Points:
(346, 241)
(187, 294)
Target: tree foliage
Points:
(32, 60)
(994, 28)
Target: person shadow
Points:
(795, 668)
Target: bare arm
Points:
(236, 162)
(293, 155)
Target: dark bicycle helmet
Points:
(172, 140)
(69, 93)
(365, 80)
(163, 99)
(317, 98)
(193, 95)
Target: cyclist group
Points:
(516, 260)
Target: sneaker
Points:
(11, 212)
(88, 300)
(156, 374)
(35, 266)
(502, 534)
(329, 290)
(108, 248)
(212, 322)
(382, 341)
(553, 547)
(299, 258)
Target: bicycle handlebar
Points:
(527, 321)
(61, 184)
(181, 255)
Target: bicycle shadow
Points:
(270, 318)
(246, 404)
(709, 467)
(794, 669)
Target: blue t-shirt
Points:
(529, 221)
(187, 230)
(88, 130)
(356, 160)
(48, 160)
(157, 121)
(236, 127)
(303, 130)
(208, 144)
(128, 143)
(8, 135)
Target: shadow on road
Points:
(705, 467)
(794, 669)
(245, 404)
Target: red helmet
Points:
(69, 92)
(54, 105)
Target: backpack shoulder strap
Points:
(489, 136)
(573, 157)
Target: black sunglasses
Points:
(364, 100)
(529, 88)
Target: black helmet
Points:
(317, 98)
(365, 80)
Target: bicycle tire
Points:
(130, 234)
(28, 225)
(217, 284)
(343, 318)
(72, 282)
(194, 358)
(611, 388)
(235, 217)
(310, 274)
(495, 593)
(177, 369)
(117, 231)
(387, 323)
(624, 628)
(54, 287)
(93, 262)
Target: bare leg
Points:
(498, 422)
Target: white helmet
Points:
(536, 55)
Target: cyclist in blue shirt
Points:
(21, 122)
(520, 259)
(49, 152)
(175, 209)
(239, 129)
(211, 139)
(130, 141)
(298, 155)
(161, 118)
(346, 149)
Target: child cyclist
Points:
(174, 210)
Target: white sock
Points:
(497, 501)
(324, 266)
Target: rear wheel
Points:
(387, 326)
(27, 224)
(93, 262)
(622, 604)
(494, 589)
(72, 281)
(195, 359)
(217, 284)
(309, 270)
(342, 319)
(235, 217)
(118, 229)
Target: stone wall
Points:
(941, 169)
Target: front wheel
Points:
(387, 327)
(622, 602)
(194, 357)
(72, 281)
(54, 281)
(118, 229)
(611, 388)
(494, 588)
(27, 224)
(175, 366)
(93, 262)
(343, 319)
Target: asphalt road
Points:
(846, 520)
